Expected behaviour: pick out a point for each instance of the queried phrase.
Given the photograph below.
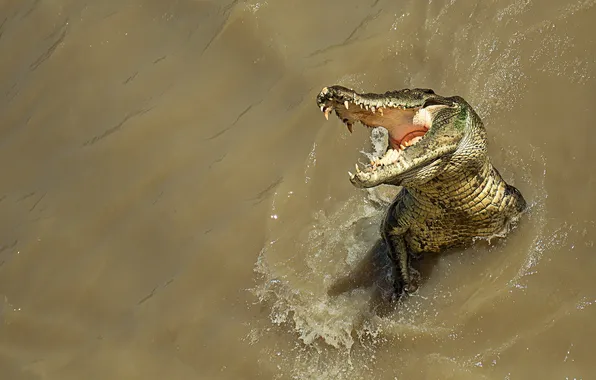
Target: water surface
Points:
(174, 205)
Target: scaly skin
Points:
(451, 194)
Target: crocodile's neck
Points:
(472, 192)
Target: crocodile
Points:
(451, 194)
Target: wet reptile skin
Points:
(451, 193)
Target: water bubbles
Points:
(584, 303)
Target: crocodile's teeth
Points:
(346, 104)
(351, 175)
(357, 168)
(389, 158)
(402, 147)
(327, 111)
(350, 125)
(322, 108)
(373, 109)
(381, 111)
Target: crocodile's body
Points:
(437, 151)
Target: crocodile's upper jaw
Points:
(408, 116)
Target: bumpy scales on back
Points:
(437, 152)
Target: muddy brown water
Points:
(174, 206)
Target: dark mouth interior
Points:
(405, 126)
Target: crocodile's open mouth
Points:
(406, 126)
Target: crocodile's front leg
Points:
(406, 277)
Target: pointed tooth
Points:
(347, 104)
(357, 168)
(366, 106)
(351, 175)
(327, 111)
(350, 125)
(373, 109)
(381, 111)
(322, 108)
(415, 140)
(402, 147)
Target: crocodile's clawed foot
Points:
(402, 287)
(414, 282)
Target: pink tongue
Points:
(395, 143)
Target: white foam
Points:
(379, 139)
